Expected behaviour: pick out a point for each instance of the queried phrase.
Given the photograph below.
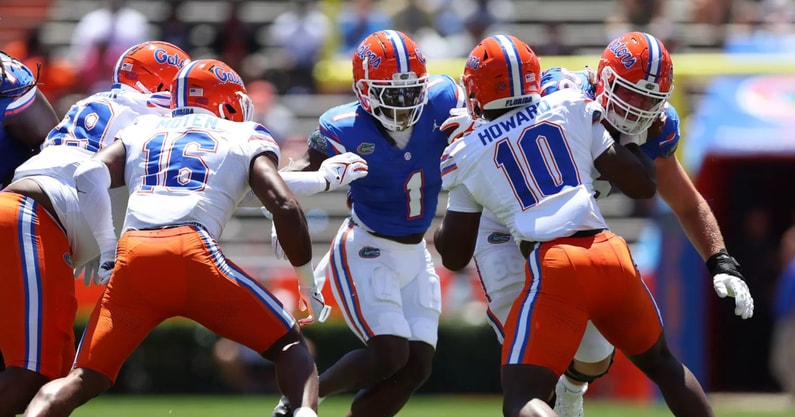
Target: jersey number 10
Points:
(542, 166)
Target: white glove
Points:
(729, 285)
(459, 124)
(278, 251)
(601, 188)
(90, 272)
(107, 261)
(313, 301)
(340, 170)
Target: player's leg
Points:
(543, 328)
(592, 360)
(625, 313)
(367, 291)
(500, 267)
(36, 334)
(421, 299)
(227, 300)
(142, 292)
(388, 397)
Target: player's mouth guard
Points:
(324, 313)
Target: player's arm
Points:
(93, 177)
(626, 167)
(289, 222)
(689, 206)
(701, 228)
(32, 125)
(288, 217)
(456, 237)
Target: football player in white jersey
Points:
(48, 233)
(185, 176)
(532, 164)
(634, 80)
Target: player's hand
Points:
(278, 251)
(340, 170)
(107, 261)
(458, 124)
(90, 272)
(313, 302)
(728, 281)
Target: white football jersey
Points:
(189, 169)
(90, 124)
(532, 167)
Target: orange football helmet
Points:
(209, 85)
(150, 66)
(390, 79)
(635, 80)
(501, 72)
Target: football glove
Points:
(312, 301)
(728, 281)
(340, 170)
(459, 124)
(107, 261)
(90, 272)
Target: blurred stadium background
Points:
(735, 91)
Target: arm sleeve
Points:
(304, 183)
(92, 180)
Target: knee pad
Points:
(576, 375)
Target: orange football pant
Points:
(37, 300)
(170, 272)
(568, 282)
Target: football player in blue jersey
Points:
(633, 82)
(26, 115)
(380, 270)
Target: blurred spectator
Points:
(358, 19)
(235, 39)
(555, 43)
(56, 76)
(299, 35)
(100, 37)
(782, 354)
(447, 20)
(644, 16)
(486, 17)
(279, 119)
(756, 248)
(411, 18)
(173, 29)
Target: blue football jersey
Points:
(398, 197)
(661, 146)
(16, 95)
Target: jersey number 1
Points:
(543, 165)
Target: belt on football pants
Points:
(526, 246)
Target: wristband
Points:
(723, 263)
(306, 276)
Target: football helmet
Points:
(390, 79)
(635, 78)
(501, 72)
(211, 86)
(150, 66)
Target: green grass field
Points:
(419, 406)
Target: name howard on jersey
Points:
(499, 128)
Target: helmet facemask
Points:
(631, 108)
(396, 103)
